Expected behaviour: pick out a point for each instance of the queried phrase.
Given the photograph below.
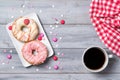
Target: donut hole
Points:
(34, 52)
(25, 29)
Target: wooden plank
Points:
(59, 76)
(73, 36)
(70, 63)
(75, 12)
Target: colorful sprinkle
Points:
(55, 39)
(55, 58)
(9, 56)
(62, 15)
(21, 11)
(62, 21)
(41, 34)
(56, 67)
(49, 67)
(62, 54)
(37, 70)
(10, 51)
(56, 45)
(10, 27)
(58, 53)
(40, 11)
(12, 16)
(4, 50)
(50, 25)
(26, 21)
(3, 63)
(53, 6)
(12, 67)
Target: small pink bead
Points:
(56, 67)
(41, 34)
(9, 56)
(55, 39)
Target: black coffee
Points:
(94, 58)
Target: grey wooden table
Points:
(73, 38)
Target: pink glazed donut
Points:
(39, 57)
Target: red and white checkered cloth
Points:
(105, 16)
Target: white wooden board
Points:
(18, 45)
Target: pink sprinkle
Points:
(46, 67)
(9, 56)
(58, 63)
(55, 39)
(56, 67)
(41, 34)
(4, 50)
(62, 54)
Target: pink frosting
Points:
(37, 46)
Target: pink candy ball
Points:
(55, 39)
(56, 67)
(41, 34)
(9, 56)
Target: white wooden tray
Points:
(18, 45)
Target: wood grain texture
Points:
(71, 62)
(59, 77)
(75, 12)
(72, 36)
(77, 34)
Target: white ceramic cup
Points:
(105, 61)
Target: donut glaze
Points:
(39, 47)
(30, 34)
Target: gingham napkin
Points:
(105, 16)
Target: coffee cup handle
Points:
(110, 56)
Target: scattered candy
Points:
(9, 56)
(53, 28)
(49, 67)
(50, 25)
(58, 63)
(41, 34)
(12, 16)
(40, 11)
(39, 37)
(10, 27)
(4, 50)
(62, 54)
(12, 67)
(53, 6)
(62, 21)
(58, 53)
(62, 15)
(37, 70)
(56, 45)
(51, 32)
(56, 26)
(3, 63)
(10, 51)
(56, 67)
(21, 11)
(55, 58)
(46, 67)
(55, 39)
(60, 38)
(26, 21)
(23, 5)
